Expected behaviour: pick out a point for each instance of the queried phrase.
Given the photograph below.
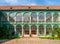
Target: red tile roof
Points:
(30, 7)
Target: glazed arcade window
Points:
(48, 29)
(34, 17)
(41, 17)
(26, 17)
(48, 17)
(11, 17)
(18, 17)
(19, 29)
(56, 17)
(3, 17)
(41, 29)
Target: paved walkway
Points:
(33, 40)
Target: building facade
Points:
(30, 20)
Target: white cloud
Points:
(11, 2)
(20, 2)
(33, 4)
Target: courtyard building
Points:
(30, 20)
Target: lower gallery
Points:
(30, 20)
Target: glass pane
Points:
(41, 16)
(48, 17)
(3, 17)
(41, 29)
(33, 29)
(34, 16)
(18, 17)
(19, 30)
(26, 17)
(11, 17)
(55, 17)
(26, 29)
(48, 29)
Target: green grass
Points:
(54, 38)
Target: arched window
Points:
(26, 29)
(3, 16)
(26, 17)
(34, 16)
(11, 17)
(41, 29)
(48, 29)
(19, 29)
(18, 17)
(55, 17)
(33, 29)
(41, 16)
(56, 26)
(48, 17)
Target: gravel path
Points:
(32, 40)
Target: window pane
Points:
(41, 16)
(3, 17)
(26, 17)
(19, 30)
(11, 17)
(48, 29)
(34, 16)
(41, 29)
(18, 17)
(48, 17)
(55, 17)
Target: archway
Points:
(33, 30)
(41, 30)
(26, 30)
(19, 30)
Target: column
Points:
(30, 30)
(30, 18)
(45, 30)
(45, 24)
(45, 17)
(15, 25)
(37, 29)
(52, 17)
(15, 29)
(7, 16)
(22, 19)
(22, 31)
(37, 18)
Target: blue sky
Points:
(29, 2)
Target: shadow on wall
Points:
(5, 31)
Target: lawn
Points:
(54, 38)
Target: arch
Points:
(55, 26)
(33, 16)
(11, 29)
(41, 16)
(26, 29)
(19, 17)
(48, 29)
(55, 17)
(48, 17)
(41, 29)
(19, 29)
(3, 16)
(11, 16)
(33, 29)
(26, 17)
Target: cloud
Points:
(11, 2)
(20, 2)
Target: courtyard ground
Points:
(30, 40)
